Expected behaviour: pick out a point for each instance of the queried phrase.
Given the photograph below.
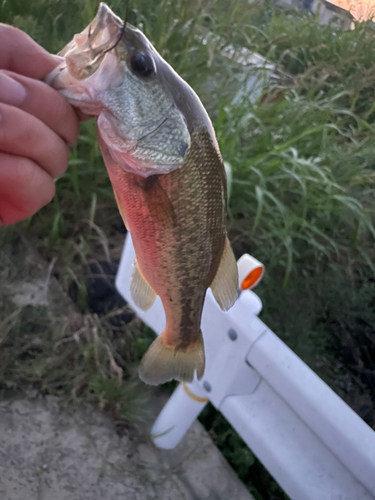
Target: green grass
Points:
(299, 164)
(302, 193)
(56, 350)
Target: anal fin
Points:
(141, 292)
(225, 284)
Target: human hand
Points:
(37, 126)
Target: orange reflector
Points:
(252, 278)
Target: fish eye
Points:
(142, 64)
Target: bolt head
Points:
(207, 386)
(232, 334)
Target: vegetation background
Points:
(301, 147)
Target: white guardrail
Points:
(312, 443)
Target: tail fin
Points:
(163, 362)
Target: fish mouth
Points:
(86, 52)
(103, 32)
(89, 55)
(83, 92)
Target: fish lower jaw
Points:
(89, 107)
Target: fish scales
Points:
(179, 262)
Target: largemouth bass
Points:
(167, 174)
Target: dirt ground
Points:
(52, 453)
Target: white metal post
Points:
(312, 443)
(168, 430)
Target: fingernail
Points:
(11, 91)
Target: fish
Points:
(168, 177)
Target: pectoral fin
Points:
(225, 284)
(157, 202)
(120, 207)
(141, 292)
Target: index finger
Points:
(20, 54)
